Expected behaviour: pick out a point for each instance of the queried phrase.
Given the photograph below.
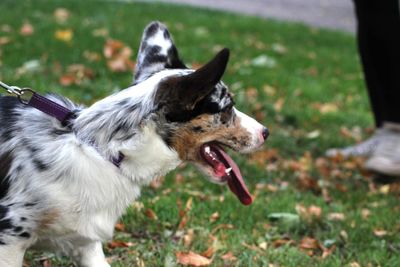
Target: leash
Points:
(49, 107)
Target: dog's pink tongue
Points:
(235, 180)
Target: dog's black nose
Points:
(265, 133)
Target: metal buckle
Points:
(25, 100)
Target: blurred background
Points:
(294, 66)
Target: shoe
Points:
(363, 149)
(386, 158)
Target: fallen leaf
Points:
(263, 245)
(76, 74)
(4, 40)
(279, 104)
(325, 107)
(118, 56)
(229, 257)
(280, 242)
(157, 183)
(354, 264)
(309, 243)
(209, 252)
(151, 214)
(188, 237)
(365, 213)
(61, 15)
(26, 29)
(336, 216)
(326, 252)
(214, 217)
(120, 227)
(192, 259)
(380, 232)
(120, 244)
(64, 35)
(67, 79)
(310, 213)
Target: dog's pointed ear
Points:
(185, 91)
(157, 52)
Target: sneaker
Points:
(386, 158)
(363, 149)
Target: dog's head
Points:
(195, 110)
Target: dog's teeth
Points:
(227, 171)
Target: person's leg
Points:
(379, 42)
(378, 27)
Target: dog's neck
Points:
(120, 124)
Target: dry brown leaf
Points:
(279, 104)
(120, 244)
(192, 259)
(380, 232)
(310, 213)
(151, 214)
(120, 227)
(26, 29)
(214, 217)
(326, 252)
(209, 252)
(280, 242)
(157, 183)
(229, 257)
(309, 243)
(118, 56)
(76, 74)
(67, 79)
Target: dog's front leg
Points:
(12, 255)
(90, 255)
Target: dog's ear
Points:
(157, 52)
(185, 91)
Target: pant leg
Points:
(378, 36)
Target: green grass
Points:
(317, 67)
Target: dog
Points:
(60, 188)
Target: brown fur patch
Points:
(48, 218)
(187, 141)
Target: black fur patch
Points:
(5, 164)
(8, 116)
(5, 223)
(25, 235)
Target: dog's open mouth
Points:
(226, 170)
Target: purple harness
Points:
(52, 109)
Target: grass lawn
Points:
(304, 83)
